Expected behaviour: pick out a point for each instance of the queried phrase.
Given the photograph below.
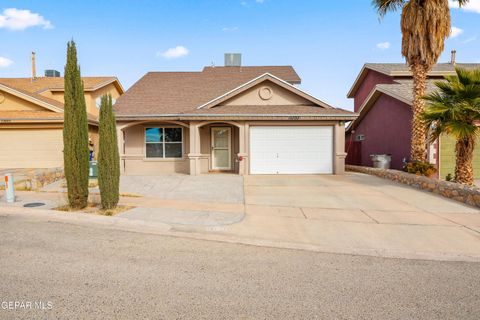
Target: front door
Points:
(221, 148)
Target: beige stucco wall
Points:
(31, 148)
(133, 147)
(13, 103)
(55, 95)
(280, 96)
(90, 96)
(133, 157)
(205, 146)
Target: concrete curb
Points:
(118, 223)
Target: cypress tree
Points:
(75, 133)
(108, 156)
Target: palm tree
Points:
(425, 25)
(454, 109)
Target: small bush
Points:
(420, 168)
(449, 177)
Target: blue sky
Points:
(326, 41)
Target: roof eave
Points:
(350, 116)
(370, 100)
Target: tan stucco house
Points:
(244, 120)
(31, 118)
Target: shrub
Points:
(108, 156)
(75, 133)
(420, 168)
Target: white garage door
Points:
(291, 149)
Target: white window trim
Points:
(163, 136)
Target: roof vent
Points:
(233, 59)
(453, 59)
(52, 73)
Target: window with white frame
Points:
(164, 142)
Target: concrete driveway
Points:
(353, 213)
(357, 213)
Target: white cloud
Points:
(472, 5)
(173, 53)
(5, 62)
(471, 39)
(383, 45)
(456, 32)
(16, 19)
(226, 29)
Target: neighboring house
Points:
(244, 120)
(31, 118)
(383, 96)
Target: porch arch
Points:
(135, 123)
(233, 123)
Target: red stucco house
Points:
(383, 96)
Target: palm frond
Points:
(385, 6)
(461, 3)
(455, 107)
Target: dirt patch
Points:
(95, 208)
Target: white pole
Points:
(9, 189)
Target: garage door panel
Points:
(27, 148)
(291, 149)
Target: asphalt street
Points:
(81, 272)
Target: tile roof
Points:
(175, 93)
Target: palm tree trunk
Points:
(464, 161)
(419, 134)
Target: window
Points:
(163, 142)
(98, 102)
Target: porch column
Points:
(194, 154)
(121, 148)
(340, 154)
(242, 150)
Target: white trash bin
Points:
(381, 161)
(9, 189)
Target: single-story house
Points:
(238, 119)
(31, 118)
(383, 97)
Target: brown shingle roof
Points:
(175, 93)
(34, 95)
(393, 69)
(402, 70)
(273, 110)
(53, 83)
(286, 73)
(403, 89)
(30, 115)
